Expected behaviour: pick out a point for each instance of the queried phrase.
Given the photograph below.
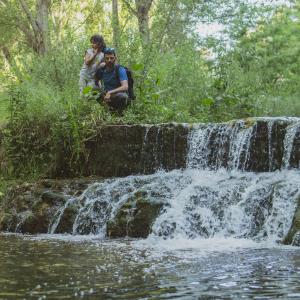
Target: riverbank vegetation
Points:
(250, 68)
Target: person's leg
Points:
(82, 84)
(119, 101)
(92, 84)
(101, 94)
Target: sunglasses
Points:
(109, 50)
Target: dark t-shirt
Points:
(109, 77)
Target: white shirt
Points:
(88, 71)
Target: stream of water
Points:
(218, 235)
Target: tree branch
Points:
(129, 7)
(29, 16)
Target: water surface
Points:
(64, 267)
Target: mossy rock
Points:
(31, 207)
(134, 218)
(53, 198)
(8, 221)
(32, 224)
(40, 211)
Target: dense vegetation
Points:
(251, 69)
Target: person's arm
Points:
(98, 77)
(120, 89)
(124, 84)
(89, 58)
(101, 64)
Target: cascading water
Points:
(289, 143)
(213, 197)
(220, 145)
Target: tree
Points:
(31, 20)
(141, 11)
(115, 23)
(36, 29)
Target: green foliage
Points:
(265, 65)
(174, 80)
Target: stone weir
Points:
(122, 150)
(209, 201)
(256, 144)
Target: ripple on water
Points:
(84, 267)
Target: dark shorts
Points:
(118, 101)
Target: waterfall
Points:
(289, 143)
(197, 203)
(219, 145)
(215, 196)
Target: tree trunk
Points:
(36, 29)
(6, 54)
(10, 60)
(42, 20)
(142, 13)
(115, 23)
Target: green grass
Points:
(279, 104)
(4, 113)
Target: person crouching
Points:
(114, 82)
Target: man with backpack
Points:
(116, 90)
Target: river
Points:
(87, 267)
(218, 234)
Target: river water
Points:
(217, 237)
(64, 267)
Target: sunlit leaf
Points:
(207, 101)
(87, 90)
(137, 67)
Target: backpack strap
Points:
(99, 74)
(117, 72)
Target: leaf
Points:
(207, 101)
(87, 90)
(155, 96)
(137, 67)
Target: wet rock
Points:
(53, 198)
(30, 208)
(92, 218)
(293, 236)
(32, 224)
(147, 148)
(258, 142)
(266, 146)
(37, 217)
(67, 219)
(165, 146)
(134, 218)
(8, 221)
(294, 160)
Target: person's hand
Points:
(102, 65)
(107, 97)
